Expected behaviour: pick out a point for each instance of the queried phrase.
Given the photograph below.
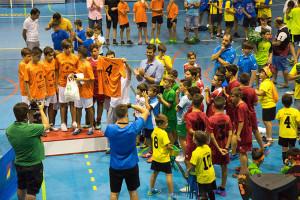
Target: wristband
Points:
(129, 105)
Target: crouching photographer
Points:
(29, 150)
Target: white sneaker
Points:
(74, 125)
(47, 131)
(53, 128)
(180, 158)
(63, 127)
(184, 190)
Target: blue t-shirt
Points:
(193, 11)
(150, 122)
(224, 84)
(183, 105)
(227, 55)
(238, 5)
(123, 153)
(58, 37)
(203, 5)
(81, 35)
(87, 43)
(249, 6)
(246, 64)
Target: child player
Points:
(140, 101)
(209, 98)
(202, 163)
(167, 99)
(67, 63)
(191, 57)
(229, 15)
(258, 159)
(265, 96)
(242, 126)
(182, 106)
(263, 24)
(220, 130)
(216, 17)
(172, 11)
(99, 98)
(88, 34)
(140, 18)
(79, 35)
(161, 156)
(98, 38)
(58, 36)
(238, 16)
(175, 85)
(152, 105)
(49, 65)
(192, 73)
(249, 15)
(85, 91)
(26, 55)
(157, 7)
(289, 122)
(123, 9)
(191, 18)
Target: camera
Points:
(36, 114)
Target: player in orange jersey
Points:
(26, 55)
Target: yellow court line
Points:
(25, 13)
(92, 179)
(88, 163)
(86, 156)
(43, 188)
(94, 187)
(141, 152)
(90, 171)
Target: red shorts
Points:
(253, 120)
(99, 98)
(189, 151)
(244, 147)
(219, 159)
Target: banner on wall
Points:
(8, 175)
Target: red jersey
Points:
(219, 124)
(210, 108)
(186, 65)
(195, 120)
(230, 109)
(249, 97)
(200, 85)
(190, 109)
(242, 115)
(95, 71)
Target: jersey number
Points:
(155, 142)
(287, 122)
(207, 162)
(108, 70)
(222, 132)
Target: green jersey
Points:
(253, 169)
(175, 86)
(264, 48)
(169, 96)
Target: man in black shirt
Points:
(111, 10)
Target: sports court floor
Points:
(85, 176)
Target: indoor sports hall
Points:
(85, 176)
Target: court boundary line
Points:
(16, 89)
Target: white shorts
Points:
(84, 103)
(25, 100)
(51, 99)
(106, 104)
(56, 106)
(61, 95)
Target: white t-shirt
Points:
(140, 101)
(124, 99)
(32, 28)
(100, 39)
(258, 29)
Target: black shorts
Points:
(216, 18)
(268, 114)
(147, 133)
(294, 38)
(161, 89)
(161, 167)
(30, 178)
(114, 21)
(124, 25)
(207, 188)
(169, 23)
(131, 177)
(249, 22)
(287, 142)
(141, 24)
(229, 24)
(157, 19)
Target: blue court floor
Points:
(85, 176)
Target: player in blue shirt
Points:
(123, 153)
(204, 6)
(247, 62)
(79, 37)
(249, 15)
(58, 36)
(238, 16)
(88, 34)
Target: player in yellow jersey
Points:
(202, 163)
(161, 156)
(289, 121)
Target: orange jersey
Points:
(35, 75)
(110, 72)
(123, 19)
(22, 66)
(65, 65)
(157, 4)
(173, 11)
(139, 9)
(50, 76)
(86, 90)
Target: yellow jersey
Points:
(214, 10)
(288, 126)
(201, 158)
(264, 11)
(297, 85)
(228, 16)
(267, 99)
(169, 61)
(160, 140)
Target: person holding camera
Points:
(26, 142)
(123, 153)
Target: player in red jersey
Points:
(191, 92)
(220, 130)
(209, 98)
(242, 126)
